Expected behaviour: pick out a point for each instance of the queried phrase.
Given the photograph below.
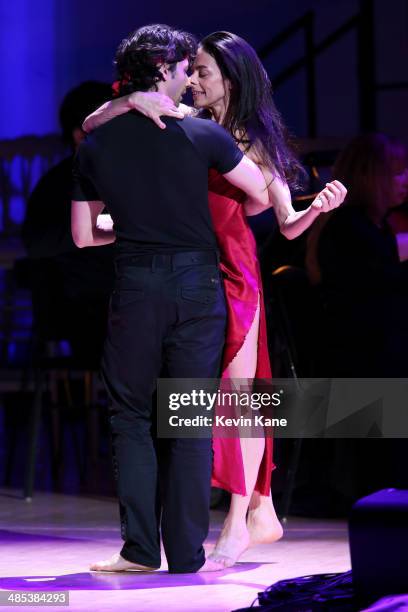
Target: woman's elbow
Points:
(287, 232)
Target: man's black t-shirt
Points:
(154, 182)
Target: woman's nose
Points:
(193, 80)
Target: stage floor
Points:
(47, 545)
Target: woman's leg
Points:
(262, 522)
(236, 535)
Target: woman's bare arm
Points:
(150, 103)
(297, 222)
(292, 223)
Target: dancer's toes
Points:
(221, 560)
(118, 564)
(211, 565)
(230, 546)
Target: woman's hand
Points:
(330, 197)
(153, 104)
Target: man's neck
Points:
(161, 88)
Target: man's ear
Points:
(164, 69)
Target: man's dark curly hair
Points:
(140, 54)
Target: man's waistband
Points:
(168, 260)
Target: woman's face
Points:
(400, 182)
(207, 84)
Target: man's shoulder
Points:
(118, 125)
(113, 133)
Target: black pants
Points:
(165, 312)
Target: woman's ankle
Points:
(259, 501)
(235, 524)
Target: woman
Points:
(362, 280)
(363, 284)
(231, 85)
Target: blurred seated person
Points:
(398, 215)
(70, 286)
(352, 254)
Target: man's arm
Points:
(248, 177)
(84, 217)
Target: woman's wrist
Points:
(313, 212)
(133, 101)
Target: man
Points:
(168, 307)
(70, 286)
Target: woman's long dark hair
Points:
(251, 111)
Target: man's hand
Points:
(153, 104)
(330, 197)
(104, 222)
(84, 224)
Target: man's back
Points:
(155, 182)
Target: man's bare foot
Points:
(118, 564)
(263, 525)
(231, 544)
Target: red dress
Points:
(243, 288)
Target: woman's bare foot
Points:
(231, 544)
(263, 524)
(118, 564)
(211, 566)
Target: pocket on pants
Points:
(201, 295)
(123, 298)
